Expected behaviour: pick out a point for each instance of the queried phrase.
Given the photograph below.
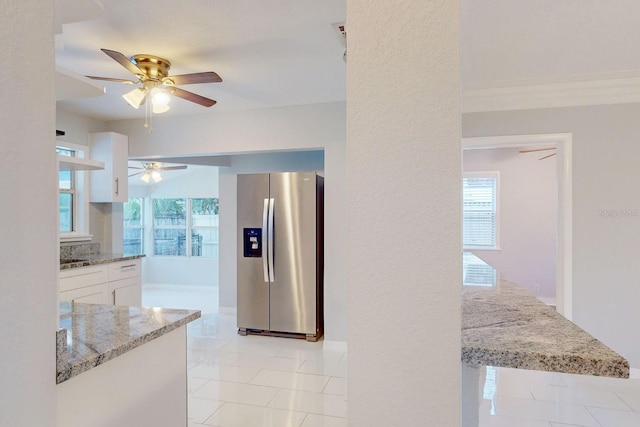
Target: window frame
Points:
(491, 175)
(141, 227)
(169, 227)
(191, 227)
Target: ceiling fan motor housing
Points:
(154, 67)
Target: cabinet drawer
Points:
(81, 277)
(124, 269)
(96, 294)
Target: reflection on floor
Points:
(255, 381)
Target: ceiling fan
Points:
(151, 171)
(154, 81)
(531, 150)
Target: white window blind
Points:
(480, 210)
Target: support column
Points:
(404, 213)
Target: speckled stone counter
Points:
(97, 333)
(506, 326)
(94, 259)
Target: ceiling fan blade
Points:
(546, 157)
(187, 79)
(109, 79)
(137, 173)
(190, 96)
(135, 167)
(124, 61)
(172, 168)
(531, 150)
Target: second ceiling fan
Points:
(155, 83)
(533, 150)
(151, 171)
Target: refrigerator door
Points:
(293, 289)
(253, 289)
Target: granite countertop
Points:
(97, 333)
(506, 326)
(95, 259)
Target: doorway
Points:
(563, 144)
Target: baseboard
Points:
(337, 346)
(227, 310)
(173, 287)
(634, 373)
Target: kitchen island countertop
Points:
(97, 333)
(506, 326)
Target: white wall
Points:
(404, 213)
(194, 182)
(305, 127)
(77, 127)
(28, 224)
(606, 198)
(528, 216)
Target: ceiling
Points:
(287, 52)
(268, 53)
(509, 41)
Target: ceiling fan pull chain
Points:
(148, 117)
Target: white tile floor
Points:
(255, 381)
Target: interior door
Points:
(293, 289)
(253, 289)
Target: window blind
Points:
(479, 206)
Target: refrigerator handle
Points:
(270, 242)
(265, 228)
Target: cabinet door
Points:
(126, 292)
(110, 184)
(96, 294)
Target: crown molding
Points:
(571, 91)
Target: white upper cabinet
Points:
(111, 184)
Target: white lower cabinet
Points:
(125, 282)
(117, 283)
(85, 284)
(126, 292)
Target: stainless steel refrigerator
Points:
(280, 254)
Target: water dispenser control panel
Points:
(252, 238)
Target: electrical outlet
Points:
(536, 288)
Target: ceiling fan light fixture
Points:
(146, 177)
(135, 97)
(156, 176)
(160, 97)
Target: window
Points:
(134, 226)
(169, 227)
(177, 234)
(204, 227)
(67, 206)
(480, 210)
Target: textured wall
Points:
(404, 213)
(28, 228)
